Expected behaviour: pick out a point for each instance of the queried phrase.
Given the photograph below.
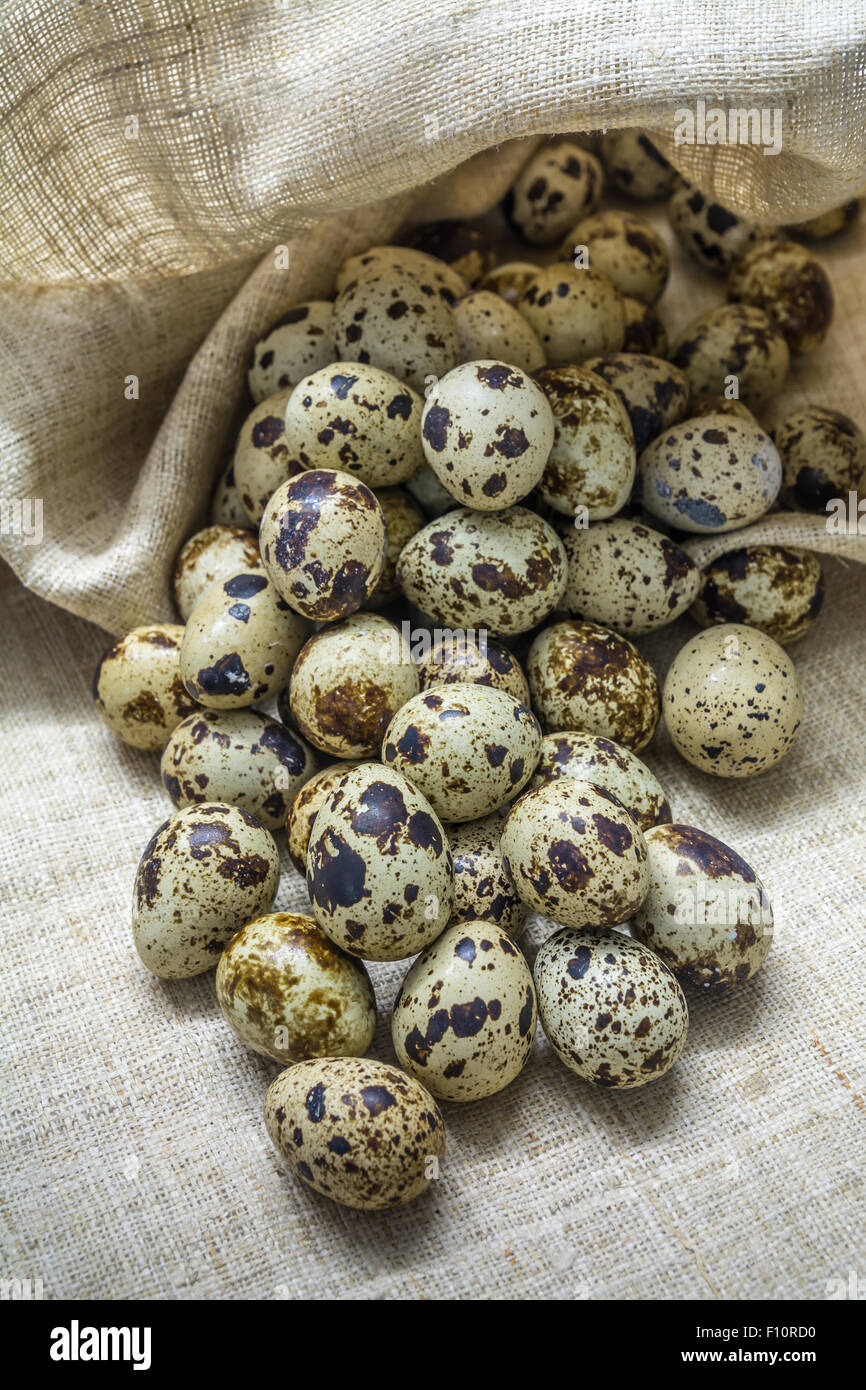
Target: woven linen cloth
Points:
(135, 1157)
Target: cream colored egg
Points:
(359, 420)
(586, 678)
(654, 393)
(306, 806)
(484, 662)
(264, 456)
(776, 588)
(558, 185)
(399, 322)
(575, 314)
(591, 467)
(490, 328)
(733, 342)
(823, 456)
(217, 552)
(713, 473)
(403, 520)
(793, 287)
(627, 577)
(483, 890)
(591, 758)
(509, 280)
(634, 165)
(226, 508)
(137, 686)
(625, 248)
(240, 643)
(294, 346)
(711, 234)
(449, 283)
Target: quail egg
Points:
(137, 686)
(399, 322)
(464, 1021)
(347, 684)
(654, 393)
(575, 854)
(360, 1132)
(305, 808)
(574, 313)
(634, 165)
(589, 758)
(644, 330)
(625, 248)
(206, 871)
(323, 543)
(289, 993)
(793, 287)
(240, 643)
(823, 456)
(238, 756)
(732, 701)
(711, 234)
(772, 587)
(733, 340)
(451, 659)
(483, 890)
(706, 913)
(627, 577)
(490, 328)
(263, 458)
(509, 280)
(610, 1008)
(403, 520)
(297, 344)
(557, 186)
(468, 748)
(487, 431)
(713, 473)
(448, 282)
(357, 419)
(379, 867)
(591, 468)
(217, 552)
(226, 508)
(584, 677)
(464, 247)
(721, 405)
(828, 224)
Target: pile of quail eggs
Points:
(405, 652)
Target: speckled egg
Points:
(711, 234)
(429, 493)
(589, 758)
(465, 248)
(706, 913)
(360, 1132)
(206, 871)
(557, 186)
(575, 854)
(449, 283)
(487, 431)
(584, 677)
(137, 686)
(297, 344)
(468, 748)
(306, 806)
(644, 330)
(483, 890)
(733, 340)
(823, 456)
(830, 223)
(450, 658)
(464, 1021)
(625, 248)
(217, 552)
(575, 314)
(793, 287)
(399, 322)
(654, 393)
(403, 520)
(226, 508)
(263, 459)
(238, 756)
(627, 577)
(359, 420)
(290, 993)
(591, 466)
(323, 543)
(634, 165)
(732, 701)
(611, 1010)
(240, 643)
(509, 280)
(504, 571)
(714, 473)
(721, 405)
(347, 684)
(490, 328)
(379, 867)
(776, 588)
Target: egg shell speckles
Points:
(711, 234)
(575, 854)
(574, 313)
(357, 419)
(488, 663)
(294, 346)
(634, 165)
(238, 756)
(289, 993)
(465, 248)
(449, 283)
(557, 186)
(706, 913)
(509, 280)
(360, 1132)
(654, 393)
(217, 552)
(262, 457)
(644, 331)
(483, 890)
(793, 287)
(206, 871)
(240, 643)
(348, 683)
(592, 462)
(487, 431)
(589, 758)
(492, 329)
(713, 473)
(586, 678)
(137, 686)
(772, 587)
(399, 322)
(226, 508)
(733, 340)
(610, 1008)
(379, 867)
(306, 806)
(823, 456)
(732, 701)
(464, 1021)
(504, 571)
(403, 520)
(627, 576)
(625, 248)
(324, 543)
(468, 748)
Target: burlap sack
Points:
(135, 1157)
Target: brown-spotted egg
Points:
(450, 658)
(625, 248)
(262, 458)
(297, 344)
(306, 806)
(591, 758)
(357, 419)
(574, 313)
(776, 588)
(823, 457)
(733, 340)
(217, 552)
(509, 280)
(557, 186)
(448, 282)
(711, 234)
(459, 244)
(492, 329)
(634, 165)
(591, 466)
(240, 643)
(399, 322)
(627, 577)
(226, 508)
(403, 520)
(793, 287)
(483, 890)
(713, 473)
(644, 330)
(655, 393)
(137, 686)
(584, 677)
